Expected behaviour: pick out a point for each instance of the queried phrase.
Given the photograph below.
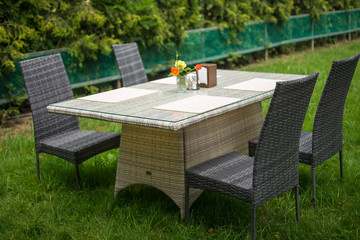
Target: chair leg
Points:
(187, 207)
(341, 165)
(313, 185)
(251, 150)
(297, 203)
(77, 174)
(253, 223)
(38, 166)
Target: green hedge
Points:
(85, 30)
(88, 28)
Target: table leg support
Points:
(154, 157)
(159, 157)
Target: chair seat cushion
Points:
(305, 148)
(230, 174)
(78, 145)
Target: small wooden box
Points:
(211, 75)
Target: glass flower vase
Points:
(181, 83)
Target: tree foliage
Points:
(89, 27)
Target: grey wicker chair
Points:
(46, 82)
(130, 64)
(326, 139)
(274, 170)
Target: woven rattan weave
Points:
(274, 169)
(157, 145)
(158, 157)
(140, 111)
(326, 139)
(46, 82)
(130, 64)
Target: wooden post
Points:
(266, 55)
(312, 45)
(118, 83)
(312, 34)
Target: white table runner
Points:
(197, 104)
(118, 95)
(169, 80)
(255, 84)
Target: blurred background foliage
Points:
(88, 28)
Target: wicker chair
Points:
(130, 64)
(46, 82)
(326, 139)
(274, 170)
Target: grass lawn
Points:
(55, 208)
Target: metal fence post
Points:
(266, 42)
(203, 44)
(349, 26)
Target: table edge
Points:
(169, 125)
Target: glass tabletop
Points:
(148, 107)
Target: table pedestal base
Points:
(159, 157)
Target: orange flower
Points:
(174, 71)
(198, 66)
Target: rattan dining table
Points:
(165, 132)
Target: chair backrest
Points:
(46, 82)
(328, 122)
(130, 64)
(276, 160)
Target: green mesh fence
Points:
(296, 29)
(332, 23)
(202, 45)
(355, 20)
(104, 69)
